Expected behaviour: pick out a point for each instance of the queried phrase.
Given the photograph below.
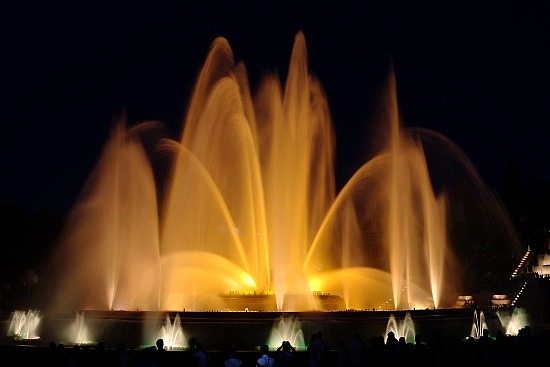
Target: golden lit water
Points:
(250, 207)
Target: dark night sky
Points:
(475, 73)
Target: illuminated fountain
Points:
(287, 328)
(79, 333)
(24, 325)
(401, 328)
(478, 324)
(248, 216)
(513, 320)
(172, 334)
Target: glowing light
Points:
(79, 332)
(24, 325)
(249, 280)
(172, 334)
(401, 328)
(513, 322)
(287, 328)
(250, 205)
(478, 325)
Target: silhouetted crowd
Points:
(388, 350)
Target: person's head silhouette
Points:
(264, 349)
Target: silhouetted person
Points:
(265, 359)
(343, 354)
(193, 344)
(160, 353)
(391, 348)
(376, 352)
(86, 356)
(232, 360)
(76, 356)
(123, 359)
(400, 349)
(51, 353)
(61, 358)
(484, 347)
(525, 340)
(356, 351)
(391, 340)
(323, 349)
(147, 358)
(313, 352)
(501, 350)
(192, 359)
(200, 355)
(437, 347)
(420, 353)
(285, 354)
(99, 355)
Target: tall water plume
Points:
(108, 257)
(250, 206)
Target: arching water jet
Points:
(401, 328)
(287, 328)
(249, 206)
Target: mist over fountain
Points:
(250, 208)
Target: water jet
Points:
(247, 217)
